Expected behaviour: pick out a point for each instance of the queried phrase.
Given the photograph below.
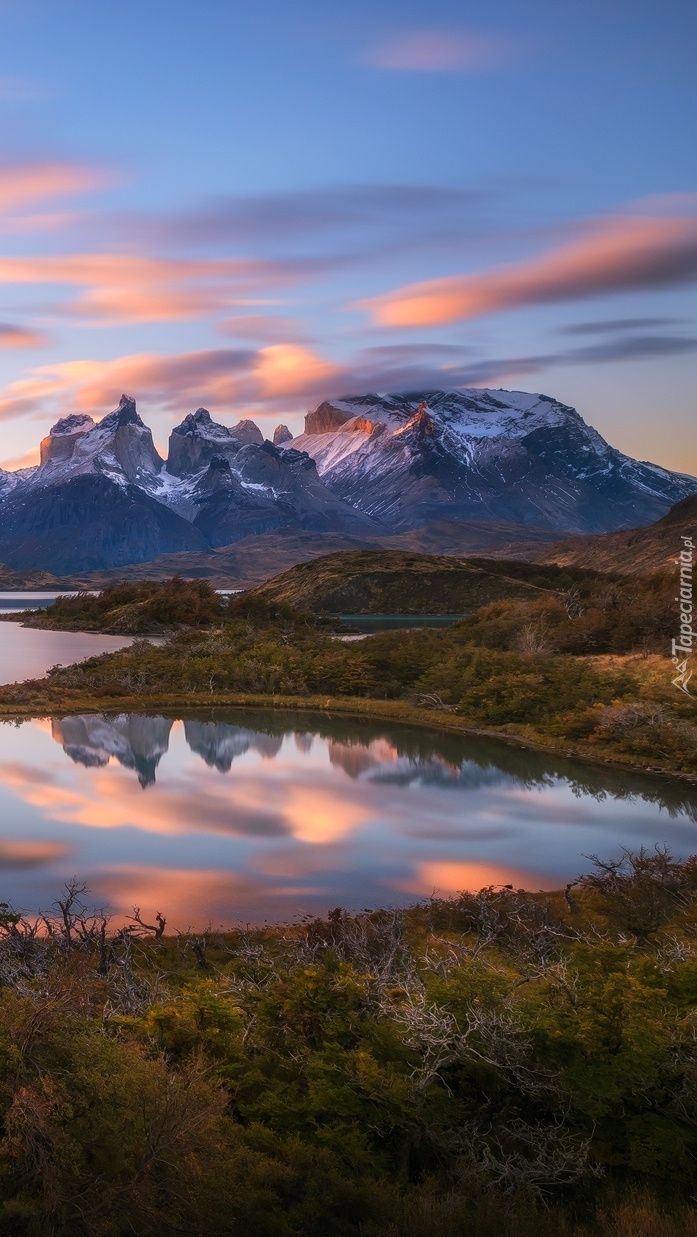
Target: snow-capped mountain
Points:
(102, 496)
(407, 460)
(119, 447)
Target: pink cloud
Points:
(132, 287)
(288, 370)
(22, 185)
(12, 336)
(615, 255)
(221, 378)
(440, 51)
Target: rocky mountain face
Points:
(368, 466)
(88, 523)
(194, 443)
(408, 460)
(103, 498)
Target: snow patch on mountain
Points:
(366, 463)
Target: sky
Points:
(256, 206)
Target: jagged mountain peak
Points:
(421, 424)
(125, 414)
(60, 442)
(198, 422)
(194, 442)
(119, 446)
(365, 463)
(74, 423)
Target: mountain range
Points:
(367, 468)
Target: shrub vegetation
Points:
(133, 609)
(498, 1063)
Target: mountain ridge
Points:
(366, 466)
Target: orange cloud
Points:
(615, 256)
(287, 369)
(440, 51)
(217, 378)
(22, 185)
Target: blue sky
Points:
(254, 207)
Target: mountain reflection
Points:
(137, 742)
(363, 750)
(219, 744)
(246, 814)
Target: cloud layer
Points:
(229, 262)
(616, 255)
(130, 287)
(439, 51)
(12, 336)
(25, 184)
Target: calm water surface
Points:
(27, 652)
(16, 600)
(250, 815)
(393, 622)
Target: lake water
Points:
(368, 623)
(252, 815)
(28, 652)
(15, 600)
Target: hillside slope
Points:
(632, 551)
(258, 557)
(396, 582)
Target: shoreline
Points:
(351, 706)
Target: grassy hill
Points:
(398, 582)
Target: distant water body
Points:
(247, 815)
(28, 652)
(10, 602)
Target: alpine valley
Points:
(523, 466)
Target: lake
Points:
(16, 600)
(28, 652)
(250, 815)
(368, 623)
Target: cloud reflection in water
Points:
(258, 815)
